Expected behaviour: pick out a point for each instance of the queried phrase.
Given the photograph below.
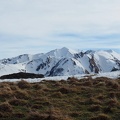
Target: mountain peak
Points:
(62, 52)
(89, 51)
(64, 48)
(63, 61)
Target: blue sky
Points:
(35, 26)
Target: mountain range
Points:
(63, 62)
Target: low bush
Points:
(57, 95)
(23, 84)
(21, 94)
(113, 84)
(64, 90)
(5, 107)
(18, 102)
(113, 102)
(92, 100)
(37, 116)
(94, 108)
(21, 75)
(18, 115)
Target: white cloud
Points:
(50, 23)
(43, 17)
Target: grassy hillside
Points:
(74, 99)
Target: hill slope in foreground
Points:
(71, 99)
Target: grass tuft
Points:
(5, 107)
(101, 117)
(23, 84)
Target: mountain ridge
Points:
(62, 62)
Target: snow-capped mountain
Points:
(63, 61)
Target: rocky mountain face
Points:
(62, 62)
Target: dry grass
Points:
(74, 99)
(94, 108)
(101, 117)
(21, 94)
(23, 84)
(36, 116)
(5, 107)
(18, 102)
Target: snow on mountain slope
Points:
(60, 62)
(112, 75)
(85, 62)
(8, 69)
(105, 61)
(42, 65)
(16, 60)
(61, 53)
(67, 66)
(20, 59)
